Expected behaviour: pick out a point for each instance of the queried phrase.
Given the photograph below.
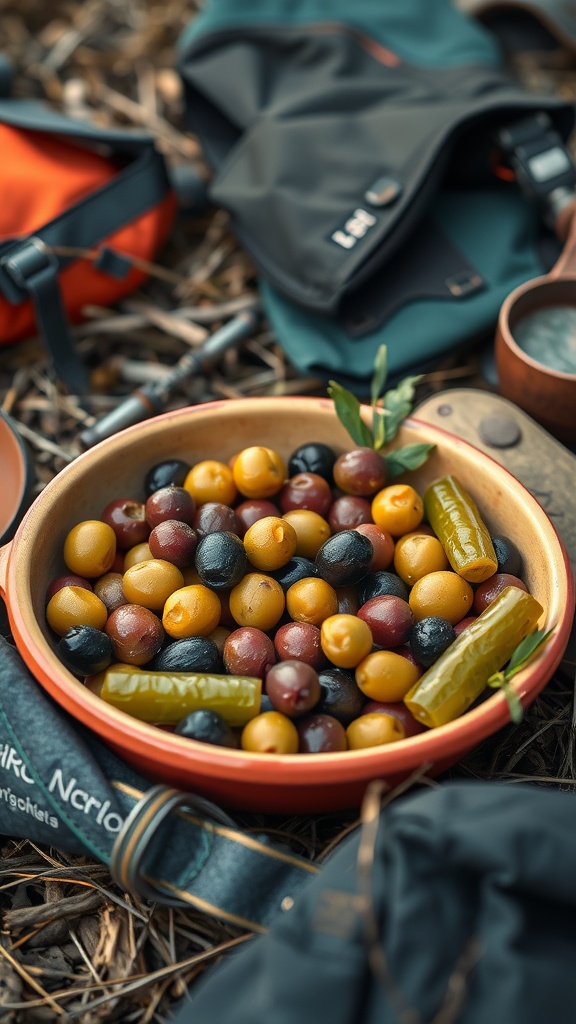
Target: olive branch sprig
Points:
(389, 409)
(525, 651)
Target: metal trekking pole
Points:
(151, 399)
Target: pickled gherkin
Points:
(457, 523)
(164, 698)
(461, 673)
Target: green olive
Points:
(211, 480)
(259, 472)
(90, 548)
(150, 583)
(386, 676)
(417, 554)
(311, 530)
(75, 606)
(257, 600)
(191, 611)
(311, 600)
(345, 639)
(443, 593)
(373, 730)
(270, 733)
(398, 509)
(270, 543)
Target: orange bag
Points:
(71, 187)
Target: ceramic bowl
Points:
(297, 783)
(16, 476)
(546, 394)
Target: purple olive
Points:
(293, 687)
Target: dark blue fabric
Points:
(470, 882)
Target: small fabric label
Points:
(358, 224)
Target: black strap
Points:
(180, 849)
(33, 270)
(28, 266)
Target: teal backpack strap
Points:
(28, 266)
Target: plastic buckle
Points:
(140, 828)
(20, 264)
(538, 155)
(113, 263)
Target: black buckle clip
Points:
(140, 828)
(539, 157)
(20, 264)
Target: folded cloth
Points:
(459, 909)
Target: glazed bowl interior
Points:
(545, 393)
(297, 783)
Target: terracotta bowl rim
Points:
(157, 745)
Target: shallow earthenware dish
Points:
(297, 783)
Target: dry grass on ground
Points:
(73, 946)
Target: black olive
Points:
(508, 556)
(344, 558)
(314, 457)
(340, 695)
(207, 727)
(298, 568)
(192, 654)
(85, 650)
(381, 583)
(429, 638)
(171, 473)
(221, 560)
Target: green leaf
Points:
(514, 703)
(388, 412)
(348, 411)
(398, 404)
(395, 410)
(498, 681)
(379, 429)
(526, 650)
(407, 387)
(522, 654)
(409, 457)
(380, 374)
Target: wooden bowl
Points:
(298, 783)
(548, 395)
